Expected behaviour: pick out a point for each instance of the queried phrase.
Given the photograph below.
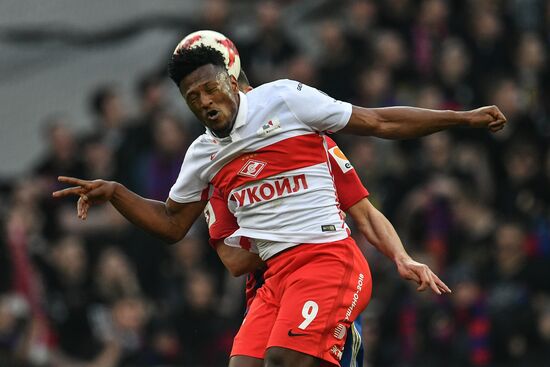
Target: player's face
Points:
(213, 96)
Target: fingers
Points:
(499, 120)
(423, 276)
(68, 191)
(496, 126)
(500, 116)
(415, 277)
(424, 284)
(80, 187)
(441, 284)
(79, 205)
(89, 193)
(82, 207)
(427, 279)
(85, 210)
(73, 181)
(424, 279)
(495, 112)
(95, 196)
(431, 281)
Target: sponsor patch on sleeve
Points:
(340, 159)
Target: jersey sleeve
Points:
(189, 187)
(349, 188)
(315, 108)
(221, 222)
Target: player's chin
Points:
(220, 129)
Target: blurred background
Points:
(84, 92)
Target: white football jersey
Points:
(273, 168)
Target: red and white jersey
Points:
(272, 171)
(349, 188)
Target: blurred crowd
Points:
(472, 205)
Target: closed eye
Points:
(192, 97)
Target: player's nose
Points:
(206, 101)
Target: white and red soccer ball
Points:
(218, 42)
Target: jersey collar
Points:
(240, 120)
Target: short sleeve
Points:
(349, 188)
(221, 222)
(189, 187)
(315, 108)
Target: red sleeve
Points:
(349, 187)
(221, 222)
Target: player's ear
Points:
(234, 83)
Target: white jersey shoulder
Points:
(188, 178)
(308, 105)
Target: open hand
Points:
(422, 275)
(486, 117)
(89, 192)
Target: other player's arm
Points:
(373, 225)
(412, 122)
(238, 260)
(378, 230)
(169, 221)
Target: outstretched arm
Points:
(411, 122)
(169, 221)
(380, 233)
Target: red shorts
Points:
(312, 294)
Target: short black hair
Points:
(186, 60)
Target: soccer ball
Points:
(217, 41)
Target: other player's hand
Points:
(488, 117)
(422, 275)
(89, 192)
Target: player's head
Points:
(244, 84)
(210, 92)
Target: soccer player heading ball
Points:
(317, 280)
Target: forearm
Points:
(150, 215)
(379, 232)
(383, 236)
(402, 122)
(238, 261)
